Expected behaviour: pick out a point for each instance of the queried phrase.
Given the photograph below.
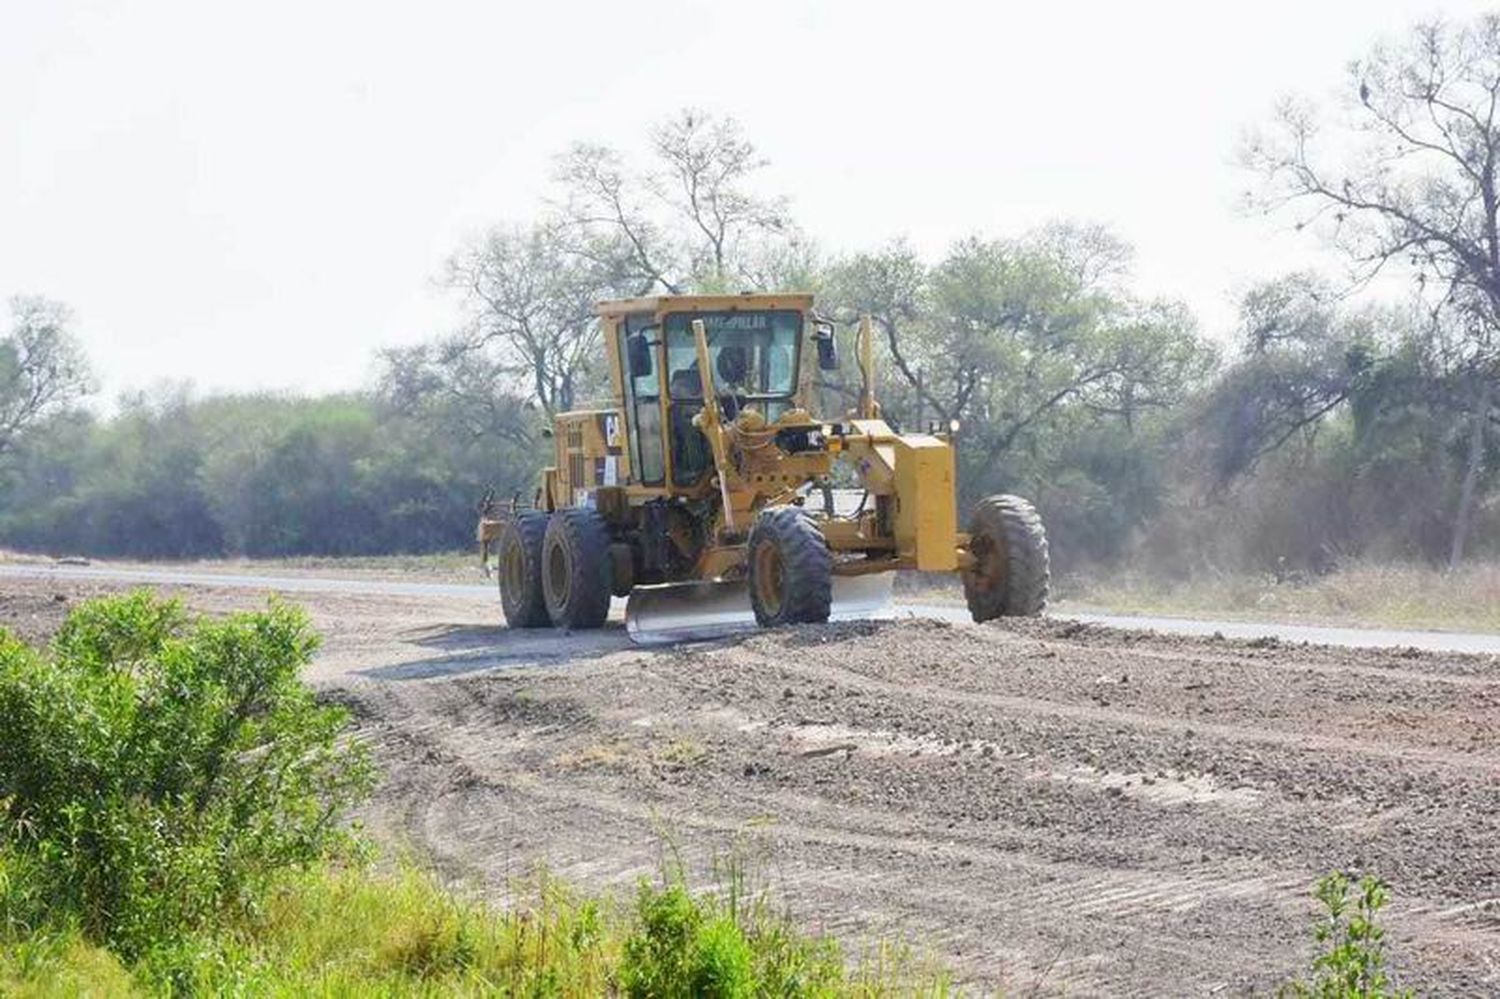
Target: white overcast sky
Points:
(258, 195)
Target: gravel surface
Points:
(1048, 807)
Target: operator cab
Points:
(754, 358)
(754, 347)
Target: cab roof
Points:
(704, 303)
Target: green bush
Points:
(1351, 961)
(683, 945)
(157, 771)
(659, 957)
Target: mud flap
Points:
(695, 612)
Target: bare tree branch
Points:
(42, 368)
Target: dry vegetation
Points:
(1375, 595)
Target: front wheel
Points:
(791, 568)
(1012, 570)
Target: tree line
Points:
(175, 476)
(1319, 430)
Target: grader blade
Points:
(861, 598)
(687, 612)
(700, 611)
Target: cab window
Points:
(754, 358)
(643, 401)
(754, 354)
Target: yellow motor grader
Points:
(705, 492)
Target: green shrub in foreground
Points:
(1351, 961)
(680, 948)
(158, 772)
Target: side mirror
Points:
(638, 355)
(828, 347)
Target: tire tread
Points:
(527, 609)
(806, 561)
(584, 531)
(1014, 522)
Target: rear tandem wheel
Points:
(520, 570)
(577, 568)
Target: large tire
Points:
(520, 565)
(1013, 571)
(791, 569)
(577, 571)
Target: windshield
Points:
(754, 354)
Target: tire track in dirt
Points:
(1310, 742)
(825, 857)
(1033, 840)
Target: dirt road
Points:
(1052, 807)
(929, 607)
